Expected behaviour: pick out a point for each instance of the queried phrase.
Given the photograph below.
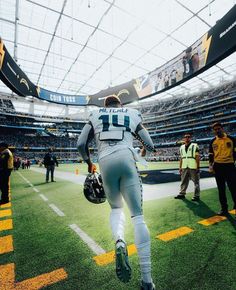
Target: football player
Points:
(113, 128)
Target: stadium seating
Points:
(166, 120)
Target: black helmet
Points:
(93, 188)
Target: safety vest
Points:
(10, 159)
(189, 157)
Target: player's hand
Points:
(180, 171)
(143, 152)
(92, 168)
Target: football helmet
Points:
(93, 188)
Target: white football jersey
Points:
(113, 127)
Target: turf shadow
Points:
(199, 208)
(232, 220)
(39, 183)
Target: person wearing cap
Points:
(189, 168)
(6, 166)
(49, 162)
(222, 156)
(113, 128)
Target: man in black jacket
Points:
(50, 161)
(6, 166)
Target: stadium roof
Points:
(84, 46)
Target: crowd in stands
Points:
(166, 120)
(6, 106)
(176, 104)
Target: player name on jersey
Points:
(113, 110)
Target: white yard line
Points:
(56, 209)
(35, 189)
(89, 241)
(43, 197)
(25, 179)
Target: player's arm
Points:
(85, 137)
(143, 136)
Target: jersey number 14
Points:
(114, 122)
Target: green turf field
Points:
(43, 241)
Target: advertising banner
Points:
(73, 100)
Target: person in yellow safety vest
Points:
(6, 166)
(189, 168)
(222, 157)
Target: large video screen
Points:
(216, 44)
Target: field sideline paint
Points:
(6, 244)
(6, 205)
(56, 209)
(7, 278)
(43, 197)
(89, 241)
(174, 234)
(5, 212)
(6, 225)
(212, 220)
(109, 257)
(25, 179)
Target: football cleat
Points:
(123, 269)
(93, 188)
